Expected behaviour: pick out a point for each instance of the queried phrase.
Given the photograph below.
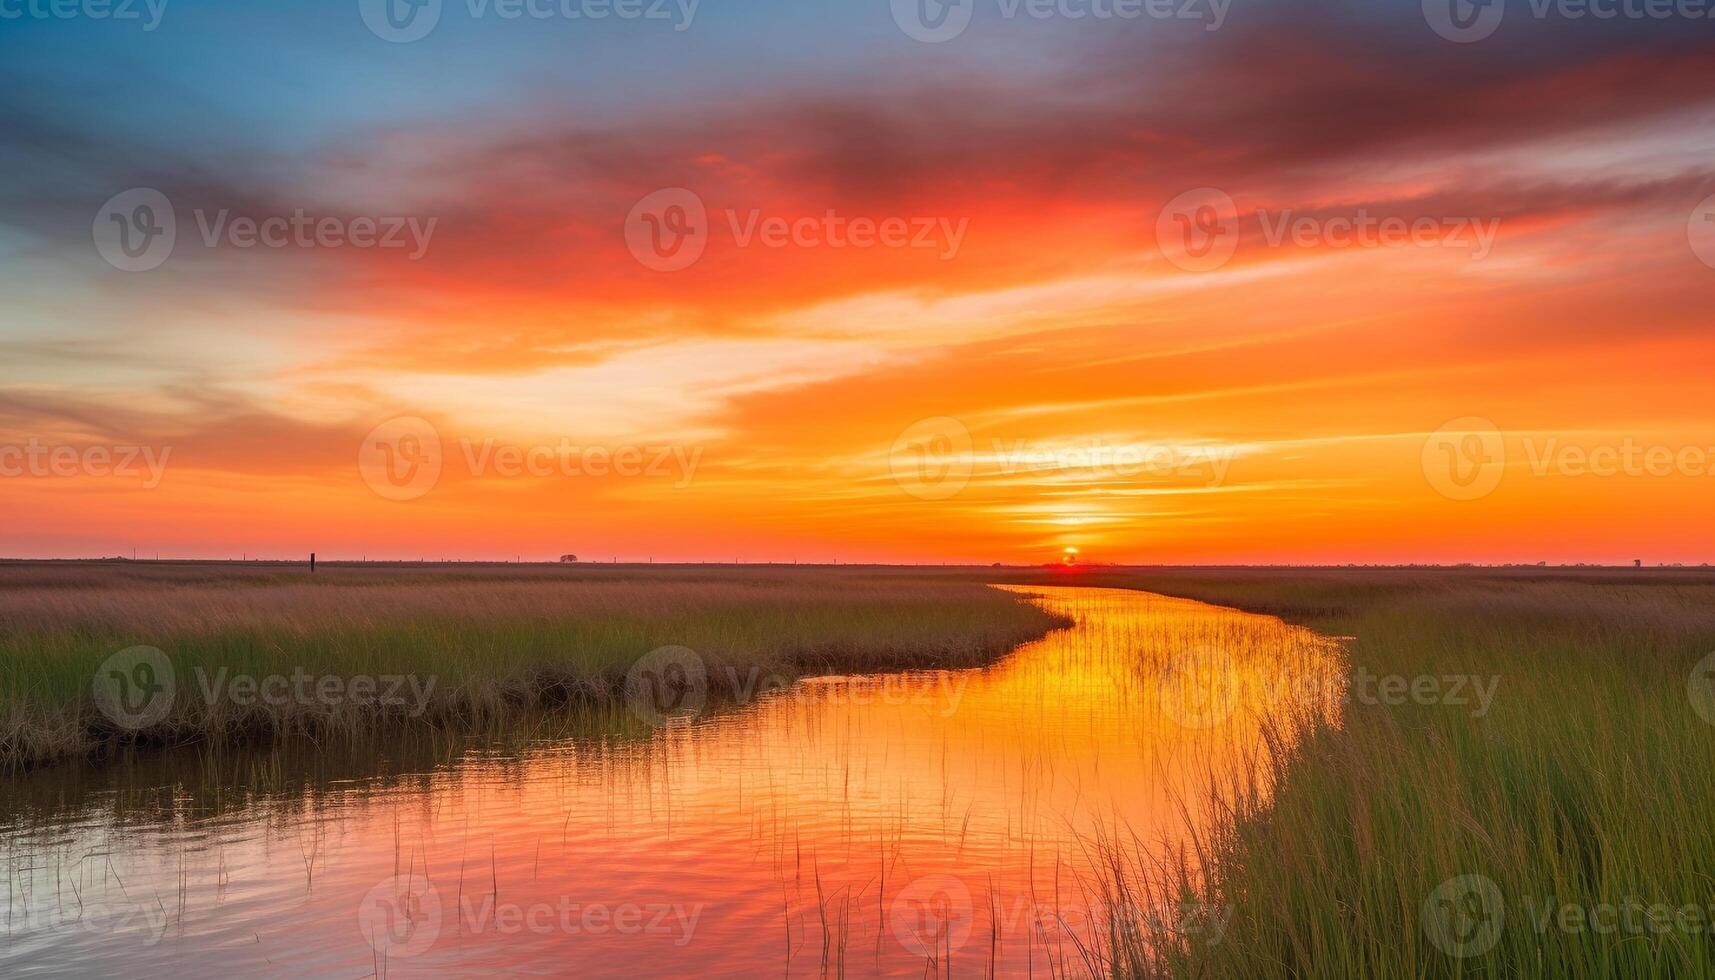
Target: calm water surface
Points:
(929, 824)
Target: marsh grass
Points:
(496, 641)
(1589, 782)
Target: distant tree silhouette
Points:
(568, 559)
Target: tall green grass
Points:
(1590, 782)
(493, 640)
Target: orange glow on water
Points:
(911, 811)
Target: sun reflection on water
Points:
(938, 822)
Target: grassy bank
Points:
(1564, 831)
(470, 643)
(1519, 784)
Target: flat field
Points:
(1517, 783)
(471, 643)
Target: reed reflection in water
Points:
(935, 823)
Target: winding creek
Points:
(938, 823)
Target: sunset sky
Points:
(1043, 358)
